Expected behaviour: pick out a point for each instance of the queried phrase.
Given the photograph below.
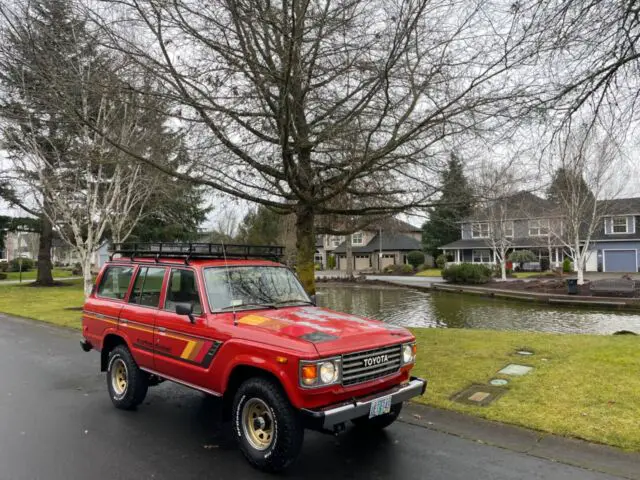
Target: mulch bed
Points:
(557, 286)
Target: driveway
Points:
(57, 423)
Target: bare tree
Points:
(587, 158)
(274, 94)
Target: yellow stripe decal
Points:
(188, 349)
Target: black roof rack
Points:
(189, 251)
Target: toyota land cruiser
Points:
(232, 322)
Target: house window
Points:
(538, 228)
(507, 229)
(480, 230)
(482, 256)
(357, 238)
(619, 225)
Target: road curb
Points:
(578, 453)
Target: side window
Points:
(147, 287)
(183, 289)
(115, 282)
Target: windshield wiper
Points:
(293, 300)
(242, 307)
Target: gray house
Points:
(380, 244)
(532, 223)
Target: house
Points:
(616, 246)
(19, 244)
(532, 223)
(526, 222)
(382, 243)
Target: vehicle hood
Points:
(329, 331)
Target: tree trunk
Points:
(86, 275)
(503, 268)
(580, 272)
(45, 276)
(349, 255)
(305, 248)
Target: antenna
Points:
(226, 269)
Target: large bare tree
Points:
(275, 94)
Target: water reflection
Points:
(413, 308)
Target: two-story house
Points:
(532, 223)
(380, 244)
(617, 244)
(527, 222)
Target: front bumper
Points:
(334, 417)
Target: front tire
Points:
(268, 429)
(381, 422)
(127, 384)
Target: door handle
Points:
(162, 329)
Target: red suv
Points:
(232, 322)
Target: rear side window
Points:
(115, 282)
(147, 287)
(183, 289)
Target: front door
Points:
(184, 350)
(139, 314)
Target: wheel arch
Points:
(111, 341)
(239, 374)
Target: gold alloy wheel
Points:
(119, 378)
(257, 424)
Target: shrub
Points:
(331, 262)
(406, 268)
(497, 271)
(4, 266)
(415, 258)
(421, 267)
(545, 264)
(441, 261)
(566, 265)
(317, 266)
(389, 268)
(467, 273)
(3, 276)
(77, 270)
(27, 264)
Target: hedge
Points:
(467, 273)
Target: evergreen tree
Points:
(260, 227)
(39, 43)
(566, 183)
(454, 205)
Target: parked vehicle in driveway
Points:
(232, 322)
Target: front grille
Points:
(359, 367)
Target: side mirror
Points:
(314, 299)
(185, 309)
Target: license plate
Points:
(380, 406)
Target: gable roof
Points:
(522, 204)
(388, 242)
(621, 206)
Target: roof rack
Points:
(188, 251)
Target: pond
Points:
(414, 308)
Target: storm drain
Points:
(479, 395)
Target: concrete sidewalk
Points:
(590, 456)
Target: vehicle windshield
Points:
(252, 287)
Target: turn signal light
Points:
(309, 374)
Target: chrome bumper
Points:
(333, 418)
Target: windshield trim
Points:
(240, 308)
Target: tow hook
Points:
(86, 345)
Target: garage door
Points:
(388, 260)
(620, 261)
(362, 262)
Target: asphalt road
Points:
(57, 423)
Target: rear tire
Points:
(381, 422)
(267, 427)
(127, 384)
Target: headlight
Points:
(408, 353)
(320, 373)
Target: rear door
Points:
(184, 350)
(139, 314)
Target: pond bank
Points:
(620, 303)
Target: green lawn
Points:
(430, 272)
(31, 274)
(583, 386)
(526, 274)
(48, 304)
